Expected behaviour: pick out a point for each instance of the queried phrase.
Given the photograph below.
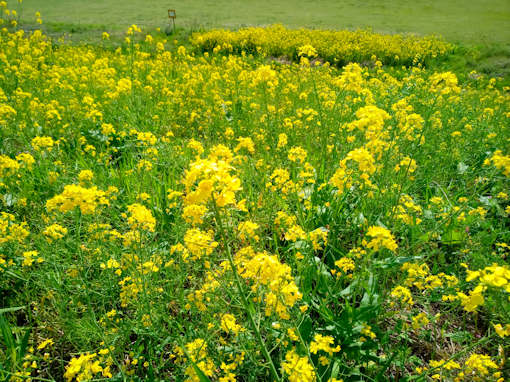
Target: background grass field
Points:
(481, 28)
(467, 21)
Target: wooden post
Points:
(172, 15)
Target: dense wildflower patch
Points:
(335, 47)
(169, 215)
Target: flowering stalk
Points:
(247, 307)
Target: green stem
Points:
(243, 296)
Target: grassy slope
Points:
(468, 21)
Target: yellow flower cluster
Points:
(338, 47)
(266, 270)
(229, 325)
(199, 243)
(85, 367)
(308, 51)
(87, 199)
(343, 178)
(141, 218)
(479, 364)
(360, 164)
(407, 210)
(298, 369)
(419, 276)
(502, 331)
(6, 112)
(197, 352)
(323, 343)
(11, 231)
(346, 265)
(30, 256)
(444, 83)
(194, 213)
(212, 179)
(43, 143)
(247, 230)
(381, 238)
(477, 367)
(495, 277)
(85, 176)
(500, 161)
(9, 167)
(264, 75)
(55, 232)
(492, 276)
(402, 294)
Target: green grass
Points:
(470, 21)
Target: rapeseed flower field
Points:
(337, 47)
(212, 213)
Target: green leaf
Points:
(305, 329)
(8, 338)
(13, 309)
(453, 236)
(335, 369)
(24, 344)
(348, 291)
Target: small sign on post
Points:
(172, 15)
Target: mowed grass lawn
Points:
(466, 21)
